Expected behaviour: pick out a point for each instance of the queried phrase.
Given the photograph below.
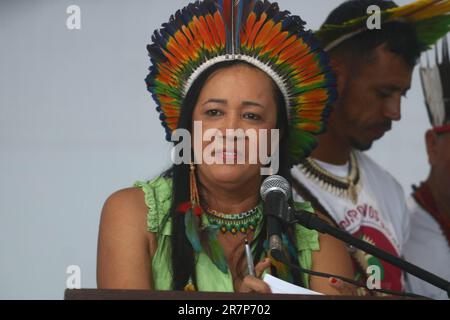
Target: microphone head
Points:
(275, 183)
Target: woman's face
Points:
(236, 97)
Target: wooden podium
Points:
(101, 294)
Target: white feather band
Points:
(281, 83)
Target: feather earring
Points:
(192, 212)
(194, 202)
(215, 250)
(195, 199)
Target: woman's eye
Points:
(213, 113)
(252, 116)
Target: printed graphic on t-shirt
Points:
(367, 215)
(365, 223)
(390, 276)
(379, 217)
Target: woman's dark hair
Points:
(182, 253)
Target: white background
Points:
(76, 124)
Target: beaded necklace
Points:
(347, 187)
(240, 222)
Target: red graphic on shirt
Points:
(361, 212)
(391, 277)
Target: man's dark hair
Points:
(400, 37)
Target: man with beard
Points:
(374, 70)
(429, 242)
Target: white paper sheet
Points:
(281, 286)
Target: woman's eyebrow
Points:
(219, 101)
(246, 103)
(252, 104)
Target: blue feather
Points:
(238, 21)
(216, 252)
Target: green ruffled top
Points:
(158, 196)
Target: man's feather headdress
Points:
(430, 18)
(436, 88)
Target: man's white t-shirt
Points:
(379, 217)
(428, 248)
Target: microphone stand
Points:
(311, 221)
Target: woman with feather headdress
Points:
(227, 65)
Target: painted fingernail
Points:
(333, 280)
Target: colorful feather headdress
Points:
(436, 88)
(430, 18)
(208, 32)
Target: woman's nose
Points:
(232, 121)
(232, 127)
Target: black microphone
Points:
(275, 192)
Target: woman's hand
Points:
(344, 288)
(255, 284)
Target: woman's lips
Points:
(229, 155)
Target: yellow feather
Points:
(433, 11)
(420, 10)
(406, 10)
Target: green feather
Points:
(192, 230)
(215, 250)
(429, 31)
(305, 142)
